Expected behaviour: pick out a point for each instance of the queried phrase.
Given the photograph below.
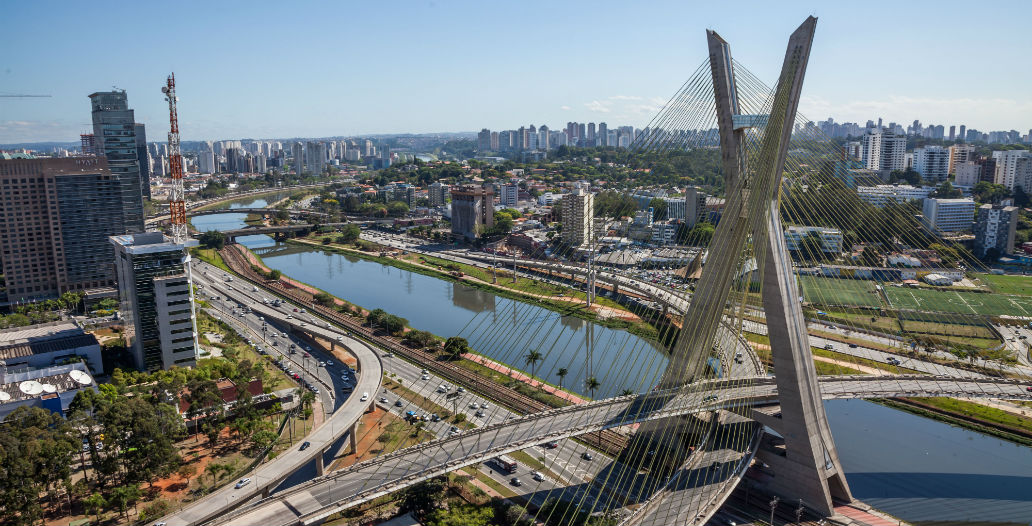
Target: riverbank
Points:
(952, 413)
(564, 307)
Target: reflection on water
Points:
(472, 299)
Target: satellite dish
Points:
(80, 376)
(4, 396)
(49, 388)
(31, 387)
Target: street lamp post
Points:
(773, 506)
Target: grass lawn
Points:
(982, 412)
(833, 291)
(1018, 285)
(958, 302)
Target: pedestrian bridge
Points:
(321, 497)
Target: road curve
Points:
(269, 475)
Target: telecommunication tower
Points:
(177, 198)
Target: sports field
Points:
(1020, 285)
(846, 292)
(958, 302)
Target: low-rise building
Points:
(51, 388)
(831, 239)
(948, 215)
(883, 194)
(49, 344)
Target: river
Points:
(914, 468)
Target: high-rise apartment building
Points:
(114, 131)
(603, 134)
(509, 195)
(932, 162)
(484, 140)
(967, 174)
(953, 132)
(884, 150)
(472, 210)
(55, 218)
(155, 291)
(578, 217)
(141, 157)
(1012, 168)
(206, 162)
(995, 227)
(315, 157)
(960, 153)
(438, 194)
(962, 133)
(297, 150)
(948, 215)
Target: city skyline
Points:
(333, 76)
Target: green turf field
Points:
(833, 291)
(958, 302)
(1020, 285)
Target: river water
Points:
(917, 469)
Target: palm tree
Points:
(626, 392)
(532, 358)
(561, 373)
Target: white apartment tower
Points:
(932, 162)
(884, 150)
(578, 217)
(1014, 168)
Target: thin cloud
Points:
(598, 106)
(565, 108)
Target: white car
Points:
(536, 475)
(243, 482)
(442, 389)
(426, 376)
(365, 396)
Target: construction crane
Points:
(177, 197)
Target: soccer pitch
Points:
(844, 292)
(958, 302)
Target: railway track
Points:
(610, 442)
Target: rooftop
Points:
(15, 387)
(42, 339)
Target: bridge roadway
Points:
(253, 231)
(321, 497)
(241, 195)
(291, 211)
(269, 475)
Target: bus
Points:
(507, 463)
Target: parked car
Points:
(586, 456)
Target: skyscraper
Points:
(141, 157)
(932, 162)
(315, 157)
(962, 134)
(995, 227)
(603, 134)
(472, 210)
(484, 140)
(578, 217)
(55, 218)
(960, 153)
(298, 151)
(884, 150)
(114, 130)
(953, 132)
(154, 288)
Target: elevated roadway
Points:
(314, 501)
(193, 205)
(271, 474)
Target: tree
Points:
(94, 504)
(187, 471)
(461, 515)
(532, 358)
(455, 347)
(123, 496)
(946, 191)
(423, 498)
(349, 233)
(561, 373)
(213, 239)
(397, 208)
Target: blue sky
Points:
(310, 69)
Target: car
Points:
(710, 398)
(243, 482)
(536, 475)
(441, 389)
(365, 397)
(302, 311)
(453, 430)
(474, 406)
(321, 364)
(853, 346)
(586, 456)
(345, 377)
(398, 403)
(290, 316)
(329, 363)
(479, 414)
(302, 324)
(1029, 388)
(340, 338)
(424, 371)
(516, 481)
(483, 405)
(461, 390)
(305, 445)
(426, 377)
(384, 400)
(551, 445)
(829, 347)
(435, 418)
(295, 309)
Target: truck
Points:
(507, 463)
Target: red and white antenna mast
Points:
(177, 198)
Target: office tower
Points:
(883, 150)
(932, 162)
(260, 164)
(603, 134)
(141, 156)
(948, 215)
(55, 218)
(591, 134)
(578, 217)
(484, 140)
(695, 205)
(114, 129)
(368, 150)
(154, 289)
(315, 157)
(953, 132)
(962, 134)
(582, 134)
(543, 139)
(1012, 168)
(960, 153)
(297, 150)
(472, 210)
(438, 194)
(506, 140)
(995, 227)
(508, 195)
(206, 162)
(493, 146)
(385, 156)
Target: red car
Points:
(295, 309)
(1029, 388)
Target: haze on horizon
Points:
(262, 69)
